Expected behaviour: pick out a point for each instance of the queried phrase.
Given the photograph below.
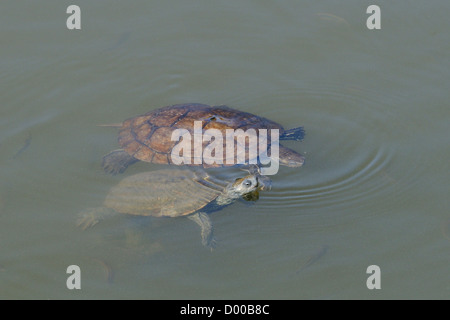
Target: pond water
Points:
(374, 189)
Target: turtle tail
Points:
(293, 134)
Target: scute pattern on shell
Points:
(148, 137)
(170, 193)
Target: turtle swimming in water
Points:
(148, 137)
(175, 193)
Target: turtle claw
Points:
(202, 219)
(111, 169)
(209, 242)
(86, 220)
(90, 217)
(117, 161)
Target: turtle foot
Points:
(87, 219)
(209, 242)
(203, 220)
(90, 217)
(117, 161)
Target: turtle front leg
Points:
(90, 217)
(117, 161)
(203, 220)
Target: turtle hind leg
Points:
(296, 134)
(117, 161)
(203, 220)
(90, 217)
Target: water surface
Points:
(374, 189)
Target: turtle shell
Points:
(148, 137)
(170, 193)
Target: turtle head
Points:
(245, 185)
(264, 182)
(239, 188)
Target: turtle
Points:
(148, 137)
(175, 193)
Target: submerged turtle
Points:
(148, 137)
(175, 193)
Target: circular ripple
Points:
(357, 148)
(341, 189)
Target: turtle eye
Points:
(247, 183)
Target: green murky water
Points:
(374, 189)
